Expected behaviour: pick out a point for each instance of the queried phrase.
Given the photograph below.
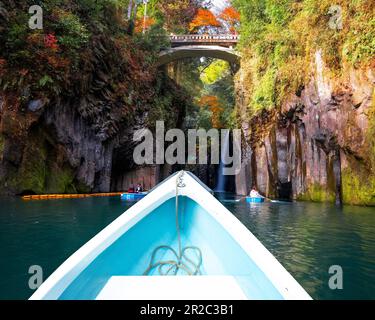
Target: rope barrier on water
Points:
(70, 196)
(182, 261)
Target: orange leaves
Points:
(41, 41)
(144, 23)
(50, 41)
(209, 101)
(231, 18)
(47, 50)
(35, 40)
(204, 19)
(213, 103)
(57, 62)
(178, 14)
(216, 116)
(230, 14)
(134, 59)
(137, 74)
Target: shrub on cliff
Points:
(80, 85)
(85, 56)
(281, 37)
(76, 36)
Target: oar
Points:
(275, 201)
(270, 200)
(237, 200)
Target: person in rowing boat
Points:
(139, 188)
(254, 193)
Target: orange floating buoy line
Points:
(70, 196)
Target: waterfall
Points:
(221, 178)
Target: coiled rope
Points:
(182, 262)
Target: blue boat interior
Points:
(254, 200)
(130, 254)
(133, 196)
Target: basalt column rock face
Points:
(89, 154)
(51, 150)
(54, 149)
(320, 145)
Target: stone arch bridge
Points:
(190, 46)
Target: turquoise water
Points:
(130, 254)
(306, 238)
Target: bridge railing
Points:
(204, 38)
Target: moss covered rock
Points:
(317, 193)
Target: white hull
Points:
(57, 283)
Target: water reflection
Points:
(307, 238)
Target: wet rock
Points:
(317, 146)
(35, 105)
(326, 140)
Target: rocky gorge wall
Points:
(73, 94)
(52, 150)
(320, 145)
(82, 143)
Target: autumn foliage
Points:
(46, 48)
(213, 103)
(144, 23)
(178, 14)
(204, 20)
(210, 101)
(231, 18)
(50, 41)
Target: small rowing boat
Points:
(178, 242)
(254, 200)
(133, 196)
